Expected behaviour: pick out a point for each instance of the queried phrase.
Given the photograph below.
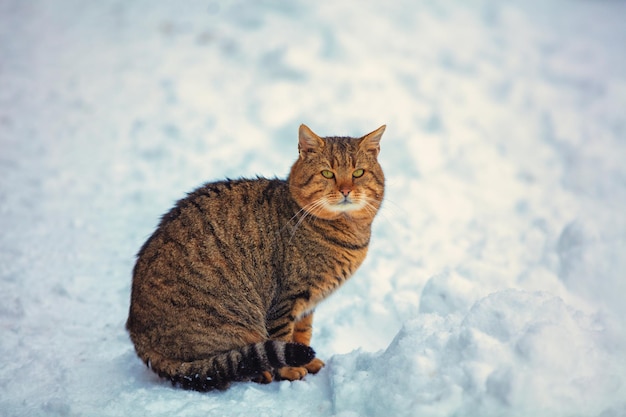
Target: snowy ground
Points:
(495, 281)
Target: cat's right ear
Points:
(308, 141)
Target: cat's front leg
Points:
(302, 332)
(285, 327)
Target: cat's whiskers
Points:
(292, 217)
(305, 208)
(380, 210)
(310, 209)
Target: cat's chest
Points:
(320, 259)
(323, 281)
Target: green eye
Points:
(358, 173)
(327, 174)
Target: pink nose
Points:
(345, 191)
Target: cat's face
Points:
(338, 176)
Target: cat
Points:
(225, 288)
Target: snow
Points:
(495, 280)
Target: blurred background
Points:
(503, 155)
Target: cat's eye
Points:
(358, 173)
(328, 174)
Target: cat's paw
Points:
(292, 373)
(265, 378)
(314, 366)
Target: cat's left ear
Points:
(371, 141)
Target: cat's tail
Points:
(216, 372)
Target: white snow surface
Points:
(495, 281)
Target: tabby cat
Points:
(224, 290)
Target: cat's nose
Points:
(345, 191)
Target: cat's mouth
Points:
(346, 204)
(347, 201)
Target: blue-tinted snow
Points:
(495, 279)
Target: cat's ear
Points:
(308, 141)
(371, 141)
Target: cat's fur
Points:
(224, 290)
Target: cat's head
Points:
(338, 176)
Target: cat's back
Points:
(225, 210)
(205, 268)
(230, 199)
(222, 230)
(216, 243)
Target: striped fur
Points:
(224, 290)
(217, 371)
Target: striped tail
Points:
(217, 372)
